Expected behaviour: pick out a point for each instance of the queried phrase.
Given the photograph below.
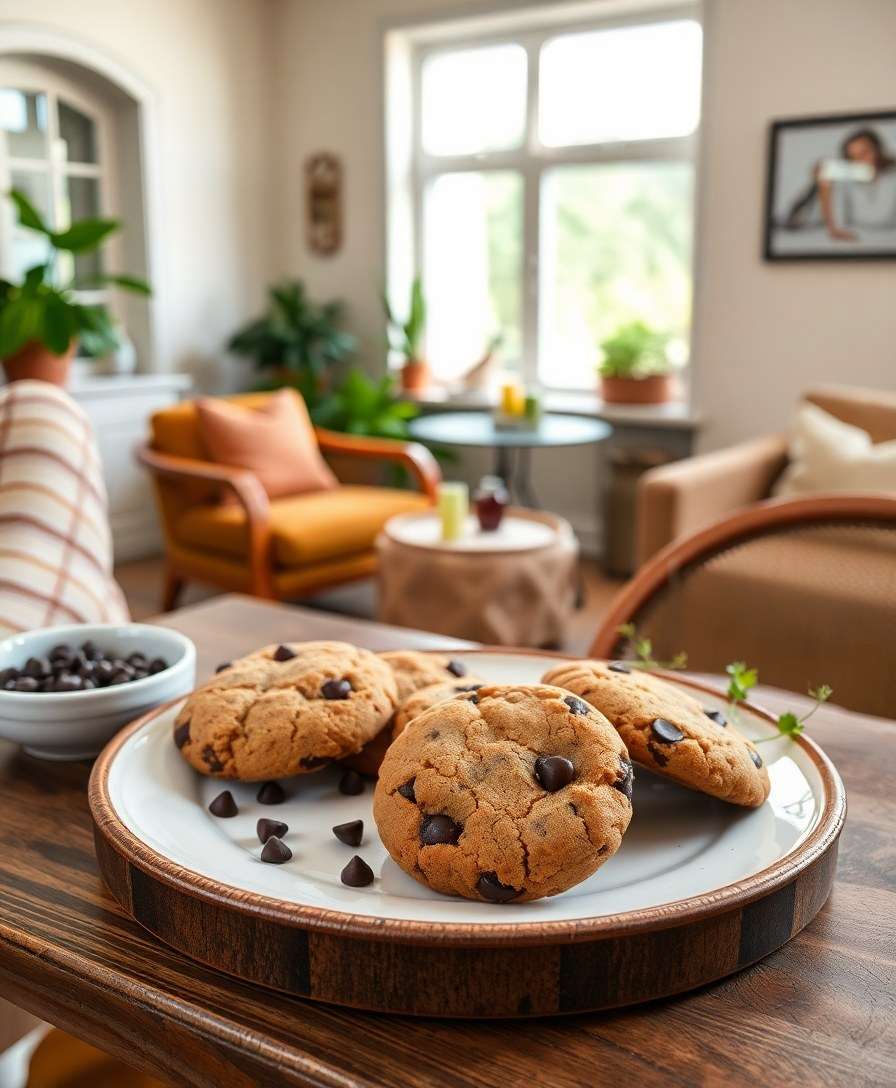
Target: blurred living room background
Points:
(570, 202)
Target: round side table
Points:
(512, 587)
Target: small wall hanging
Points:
(323, 203)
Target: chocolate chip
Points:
(357, 874)
(63, 649)
(283, 653)
(223, 805)
(8, 674)
(659, 757)
(618, 666)
(665, 731)
(275, 852)
(554, 772)
(311, 763)
(182, 734)
(37, 667)
(626, 778)
(137, 659)
(716, 716)
(68, 682)
(270, 793)
(407, 791)
(577, 706)
(26, 683)
(158, 664)
(351, 784)
(756, 757)
(120, 676)
(467, 687)
(490, 888)
(224, 665)
(336, 689)
(456, 668)
(90, 650)
(439, 830)
(266, 829)
(350, 833)
(210, 759)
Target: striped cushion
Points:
(55, 547)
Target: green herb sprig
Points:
(743, 679)
(643, 648)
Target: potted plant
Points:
(635, 368)
(295, 340)
(407, 337)
(41, 322)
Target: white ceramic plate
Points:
(680, 844)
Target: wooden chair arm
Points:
(250, 495)
(416, 458)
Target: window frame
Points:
(532, 159)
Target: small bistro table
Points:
(513, 587)
(819, 1011)
(478, 429)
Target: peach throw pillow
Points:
(276, 442)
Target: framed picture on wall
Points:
(831, 190)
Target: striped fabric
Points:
(55, 546)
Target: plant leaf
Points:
(28, 214)
(34, 277)
(58, 324)
(129, 283)
(84, 235)
(18, 324)
(789, 725)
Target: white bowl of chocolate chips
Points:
(64, 691)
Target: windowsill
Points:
(118, 384)
(676, 414)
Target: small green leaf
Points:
(822, 693)
(627, 630)
(789, 725)
(84, 235)
(28, 214)
(129, 283)
(18, 324)
(34, 277)
(58, 323)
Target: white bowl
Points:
(76, 724)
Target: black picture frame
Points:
(831, 251)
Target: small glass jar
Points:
(491, 500)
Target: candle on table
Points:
(454, 505)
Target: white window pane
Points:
(23, 117)
(474, 100)
(472, 277)
(82, 201)
(616, 247)
(78, 134)
(634, 83)
(29, 248)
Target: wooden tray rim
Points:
(678, 912)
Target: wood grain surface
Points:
(822, 1010)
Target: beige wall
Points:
(207, 65)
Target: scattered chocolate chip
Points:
(37, 667)
(158, 664)
(223, 805)
(210, 759)
(407, 791)
(716, 716)
(490, 888)
(666, 731)
(336, 689)
(270, 793)
(283, 653)
(756, 757)
(266, 829)
(351, 784)
(275, 852)
(456, 668)
(224, 665)
(350, 833)
(26, 683)
(554, 772)
(618, 666)
(439, 830)
(357, 874)
(626, 777)
(577, 706)
(182, 734)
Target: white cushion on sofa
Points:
(827, 454)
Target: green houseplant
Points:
(295, 341)
(365, 406)
(406, 337)
(635, 368)
(41, 322)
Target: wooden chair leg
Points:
(174, 586)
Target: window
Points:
(551, 176)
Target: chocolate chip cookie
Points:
(668, 730)
(506, 795)
(285, 710)
(414, 669)
(426, 697)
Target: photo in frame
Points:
(831, 188)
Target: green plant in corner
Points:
(41, 311)
(634, 351)
(296, 341)
(406, 337)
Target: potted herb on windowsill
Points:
(41, 322)
(635, 368)
(406, 337)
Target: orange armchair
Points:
(281, 549)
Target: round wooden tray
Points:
(446, 957)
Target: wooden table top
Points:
(822, 1010)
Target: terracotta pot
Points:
(654, 389)
(36, 362)
(415, 376)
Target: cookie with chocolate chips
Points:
(668, 730)
(508, 797)
(467, 687)
(285, 710)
